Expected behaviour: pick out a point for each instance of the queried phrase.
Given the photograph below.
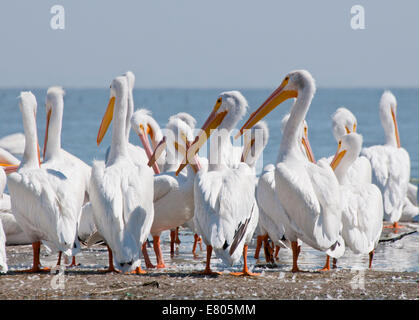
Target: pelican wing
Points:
(391, 173)
(163, 184)
(310, 196)
(362, 216)
(270, 209)
(224, 201)
(42, 206)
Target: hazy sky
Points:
(217, 43)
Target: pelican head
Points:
(118, 88)
(27, 102)
(178, 139)
(54, 100)
(388, 113)
(291, 87)
(28, 107)
(349, 147)
(186, 117)
(229, 108)
(251, 149)
(144, 124)
(305, 146)
(344, 122)
(130, 79)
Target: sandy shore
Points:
(86, 282)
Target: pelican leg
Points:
(208, 270)
(159, 254)
(371, 254)
(177, 240)
(172, 242)
(36, 267)
(147, 260)
(327, 265)
(73, 262)
(138, 270)
(196, 239)
(334, 263)
(59, 258)
(245, 271)
(111, 267)
(276, 252)
(268, 250)
(396, 226)
(295, 253)
(258, 246)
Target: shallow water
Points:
(84, 109)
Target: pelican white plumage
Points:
(144, 124)
(14, 233)
(13, 143)
(7, 158)
(344, 122)
(309, 193)
(3, 256)
(40, 200)
(76, 173)
(121, 191)
(138, 155)
(362, 216)
(271, 212)
(173, 195)
(390, 162)
(226, 213)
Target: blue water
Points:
(84, 109)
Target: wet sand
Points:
(181, 279)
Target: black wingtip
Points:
(240, 232)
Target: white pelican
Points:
(251, 153)
(226, 213)
(6, 158)
(41, 202)
(309, 193)
(121, 191)
(390, 162)
(76, 173)
(13, 143)
(271, 211)
(168, 156)
(144, 124)
(173, 195)
(344, 122)
(138, 155)
(362, 216)
(3, 257)
(14, 233)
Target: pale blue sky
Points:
(217, 43)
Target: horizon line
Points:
(22, 87)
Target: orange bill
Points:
(338, 157)
(213, 121)
(276, 98)
(396, 129)
(106, 120)
(46, 133)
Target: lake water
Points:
(84, 109)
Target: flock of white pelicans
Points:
(136, 192)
